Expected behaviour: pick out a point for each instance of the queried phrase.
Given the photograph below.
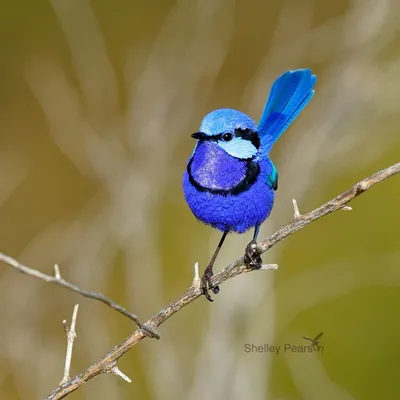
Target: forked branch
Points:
(108, 363)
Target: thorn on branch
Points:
(269, 266)
(57, 274)
(296, 213)
(196, 280)
(346, 208)
(71, 335)
(116, 371)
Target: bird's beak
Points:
(199, 135)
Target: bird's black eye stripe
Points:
(245, 134)
(248, 134)
(226, 137)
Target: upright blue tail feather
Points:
(289, 94)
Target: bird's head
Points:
(233, 131)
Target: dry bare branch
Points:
(58, 280)
(108, 362)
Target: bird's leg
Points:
(206, 283)
(251, 257)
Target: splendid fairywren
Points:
(229, 181)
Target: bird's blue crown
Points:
(226, 120)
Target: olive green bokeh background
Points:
(97, 104)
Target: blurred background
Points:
(97, 103)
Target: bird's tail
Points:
(289, 94)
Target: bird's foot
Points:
(207, 285)
(252, 257)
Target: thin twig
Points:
(109, 360)
(71, 335)
(58, 280)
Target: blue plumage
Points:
(289, 95)
(229, 181)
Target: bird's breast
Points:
(212, 169)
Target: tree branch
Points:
(108, 362)
(58, 280)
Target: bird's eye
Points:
(227, 136)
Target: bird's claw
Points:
(207, 285)
(252, 257)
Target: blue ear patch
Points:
(272, 177)
(239, 148)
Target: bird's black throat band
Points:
(252, 172)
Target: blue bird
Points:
(229, 181)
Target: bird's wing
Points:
(289, 94)
(272, 177)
